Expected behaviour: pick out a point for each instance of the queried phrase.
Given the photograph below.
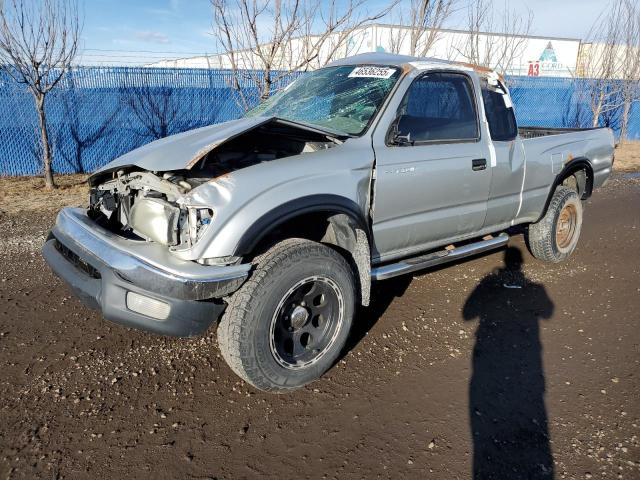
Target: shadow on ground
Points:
(383, 294)
(507, 413)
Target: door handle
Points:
(478, 164)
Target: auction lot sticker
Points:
(372, 72)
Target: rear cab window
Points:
(499, 112)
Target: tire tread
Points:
(540, 235)
(233, 326)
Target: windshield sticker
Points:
(372, 72)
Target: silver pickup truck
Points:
(273, 226)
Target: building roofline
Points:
(494, 34)
(388, 25)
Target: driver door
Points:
(433, 180)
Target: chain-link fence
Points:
(568, 102)
(97, 114)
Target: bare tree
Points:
(630, 63)
(610, 67)
(495, 38)
(263, 41)
(38, 43)
(599, 66)
(419, 26)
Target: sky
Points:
(135, 31)
(114, 29)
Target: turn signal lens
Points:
(147, 306)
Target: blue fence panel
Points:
(565, 102)
(96, 114)
(542, 102)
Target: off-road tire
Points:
(244, 333)
(546, 239)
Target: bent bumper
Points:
(108, 272)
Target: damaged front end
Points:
(150, 207)
(157, 206)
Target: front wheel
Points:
(556, 235)
(289, 322)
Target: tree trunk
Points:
(414, 41)
(625, 119)
(596, 114)
(266, 87)
(44, 139)
(600, 105)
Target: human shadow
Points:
(507, 411)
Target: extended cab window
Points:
(438, 107)
(499, 112)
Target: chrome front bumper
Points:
(102, 268)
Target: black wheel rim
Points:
(306, 322)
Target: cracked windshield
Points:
(341, 99)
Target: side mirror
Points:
(401, 132)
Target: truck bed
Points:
(549, 150)
(536, 132)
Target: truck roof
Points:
(408, 61)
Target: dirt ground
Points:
(518, 372)
(627, 157)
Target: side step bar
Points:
(436, 258)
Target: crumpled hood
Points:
(183, 150)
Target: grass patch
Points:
(23, 194)
(627, 157)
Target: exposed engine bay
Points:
(149, 206)
(154, 206)
(267, 142)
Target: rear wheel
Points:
(289, 322)
(556, 235)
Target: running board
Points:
(436, 258)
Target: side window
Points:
(438, 107)
(501, 118)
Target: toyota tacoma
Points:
(273, 226)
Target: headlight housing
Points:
(155, 219)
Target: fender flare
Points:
(578, 163)
(293, 208)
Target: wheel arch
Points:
(584, 184)
(330, 219)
